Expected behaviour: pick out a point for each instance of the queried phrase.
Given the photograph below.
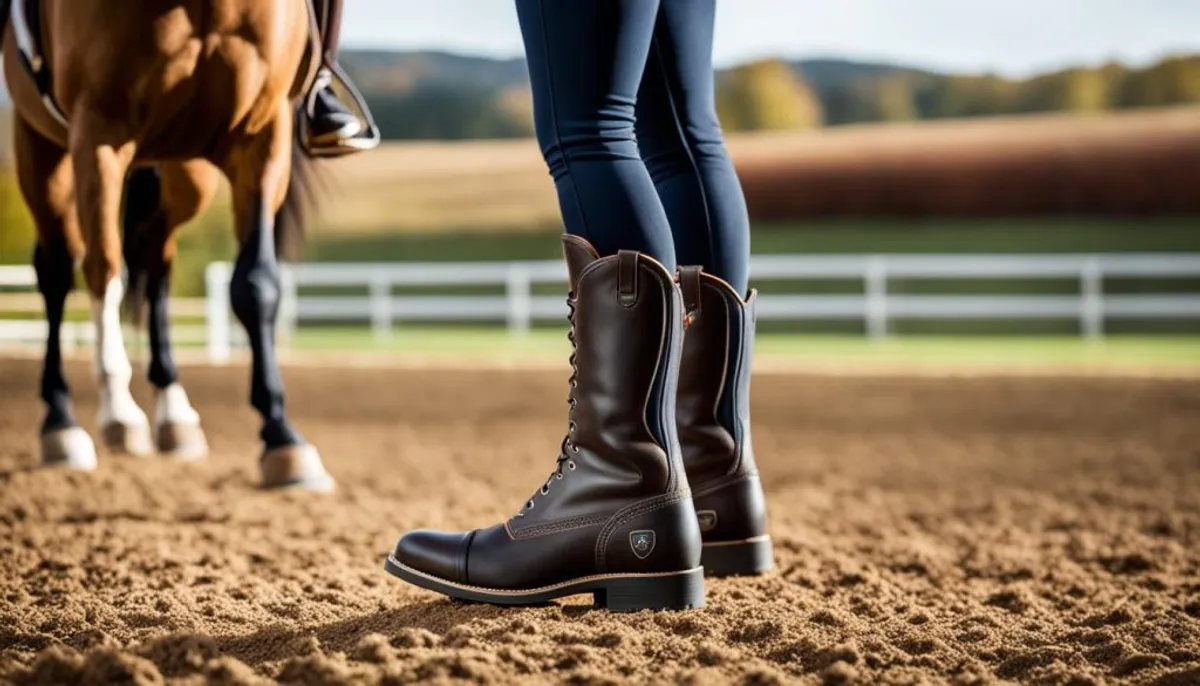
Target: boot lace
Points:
(568, 449)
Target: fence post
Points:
(518, 290)
(876, 314)
(381, 306)
(1091, 304)
(216, 310)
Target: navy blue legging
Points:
(625, 114)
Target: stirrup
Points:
(368, 139)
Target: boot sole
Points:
(750, 557)
(616, 592)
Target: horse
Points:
(143, 105)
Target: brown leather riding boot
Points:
(713, 413)
(615, 518)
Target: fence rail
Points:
(519, 307)
(516, 305)
(30, 326)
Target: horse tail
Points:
(144, 224)
(303, 202)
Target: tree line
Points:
(906, 97)
(445, 97)
(776, 94)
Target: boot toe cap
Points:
(437, 553)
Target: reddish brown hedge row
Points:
(1127, 164)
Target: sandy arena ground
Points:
(964, 530)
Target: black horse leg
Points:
(163, 372)
(55, 274)
(146, 235)
(63, 442)
(254, 293)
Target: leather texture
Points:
(713, 411)
(618, 501)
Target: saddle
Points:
(27, 29)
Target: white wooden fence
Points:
(17, 283)
(519, 307)
(516, 305)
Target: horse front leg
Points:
(255, 290)
(102, 154)
(63, 442)
(47, 184)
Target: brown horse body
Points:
(194, 88)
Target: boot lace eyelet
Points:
(568, 446)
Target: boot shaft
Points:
(714, 427)
(713, 405)
(622, 445)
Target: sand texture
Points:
(928, 530)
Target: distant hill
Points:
(402, 72)
(440, 95)
(824, 72)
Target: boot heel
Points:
(679, 591)
(741, 558)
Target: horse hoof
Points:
(71, 448)
(181, 441)
(295, 466)
(128, 439)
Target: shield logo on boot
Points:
(642, 542)
(707, 519)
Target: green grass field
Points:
(1033, 235)
(848, 353)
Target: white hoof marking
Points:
(71, 448)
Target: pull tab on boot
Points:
(689, 285)
(627, 275)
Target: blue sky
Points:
(1013, 37)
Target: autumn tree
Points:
(516, 106)
(766, 95)
(1173, 81)
(968, 96)
(893, 99)
(1070, 90)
